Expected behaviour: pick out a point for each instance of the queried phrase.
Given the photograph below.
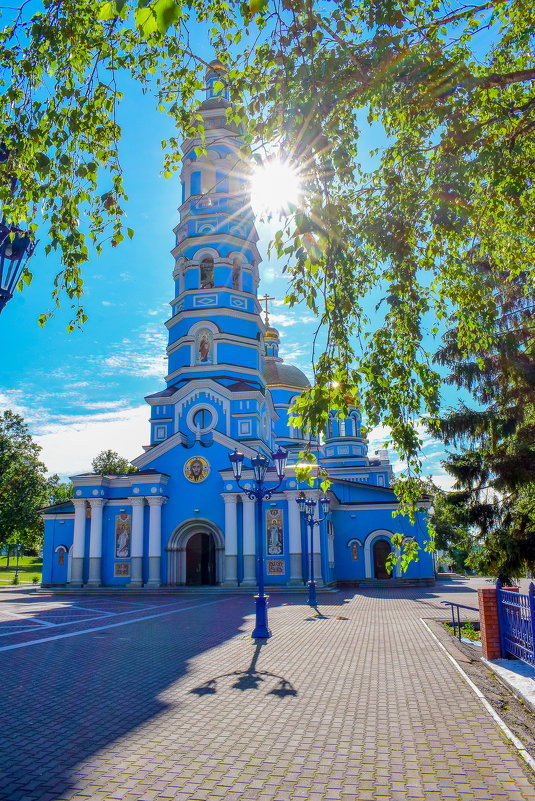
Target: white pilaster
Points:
(78, 543)
(95, 542)
(155, 540)
(136, 552)
(231, 539)
(294, 526)
(249, 549)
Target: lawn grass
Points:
(29, 566)
(467, 631)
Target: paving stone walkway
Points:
(355, 703)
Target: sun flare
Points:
(275, 188)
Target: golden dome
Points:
(271, 334)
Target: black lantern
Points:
(280, 458)
(301, 501)
(260, 465)
(14, 247)
(236, 460)
(324, 503)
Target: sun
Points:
(275, 188)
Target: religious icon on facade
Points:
(196, 469)
(204, 347)
(354, 551)
(274, 532)
(123, 529)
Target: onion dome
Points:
(272, 334)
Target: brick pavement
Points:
(357, 704)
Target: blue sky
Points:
(83, 392)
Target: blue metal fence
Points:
(516, 615)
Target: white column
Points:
(78, 543)
(249, 549)
(155, 540)
(231, 540)
(294, 526)
(95, 542)
(136, 552)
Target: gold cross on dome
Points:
(265, 299)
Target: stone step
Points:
(393, 583)
(50, 590)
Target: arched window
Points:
(207, 273)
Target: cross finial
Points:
(266, 299)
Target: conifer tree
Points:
(494, 465)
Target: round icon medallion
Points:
(196, 469)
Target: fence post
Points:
(490, 625)
(502, 621)
(531, 596)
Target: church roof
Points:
(215, 102)
(242, 386)
(279, 374)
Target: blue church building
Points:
(181, 519)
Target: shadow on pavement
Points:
(66, 700)
(250, 679)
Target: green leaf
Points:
(106, 11)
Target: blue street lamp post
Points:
(308, 506)
(260, 465)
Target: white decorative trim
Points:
(382, 534)
(244, 428)
(201, 301)
(212, 395)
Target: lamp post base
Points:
(261, 628)
(312, 600)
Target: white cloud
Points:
(71, 442)
(107, 303)
(143, 355)
(286, 320)
(138, 364)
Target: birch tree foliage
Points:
(448, 184)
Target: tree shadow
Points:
(249, 679)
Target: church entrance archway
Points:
(195, 554)
(200, 559)
(381, 552)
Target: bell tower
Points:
(216, 257)
(216, 333)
